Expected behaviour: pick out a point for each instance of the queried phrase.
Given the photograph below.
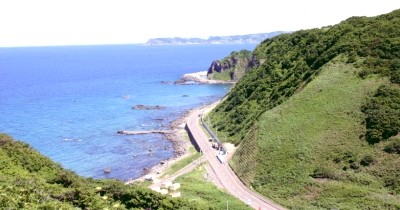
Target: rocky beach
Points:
(180, 145)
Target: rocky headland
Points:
(232, 67)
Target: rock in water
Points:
(140, 106)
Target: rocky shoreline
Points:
(180, 145)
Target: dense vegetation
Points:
(29, 180)
(319, 112)
(232, 67)
(284, 64)
(383, 114)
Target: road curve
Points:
(226, 177)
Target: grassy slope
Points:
(320, 128)
(194, 155)
(195, 187)
(220, 76)
(296, 114)
(284, 64)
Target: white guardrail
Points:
(214, 137)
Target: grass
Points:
(316, 130)
(178, 165)
(195, 187)
(220, 76)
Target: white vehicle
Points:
(249, 202)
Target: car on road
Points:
(249, 202)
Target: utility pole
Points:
(226, 152)
(227, 206)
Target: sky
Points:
(87, 22)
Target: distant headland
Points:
(236, 39)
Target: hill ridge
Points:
(234, 39)
(292, 171)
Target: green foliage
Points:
(309, 154)
(204, 193)
(233, 66)
(393, 146)
(304, 107)
(182, 163)
(284, 64)
(323, 172)
(29, 180)
(244, 160)
(225, 75)
(383, 114)
(367, 160)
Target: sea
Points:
(68, 102)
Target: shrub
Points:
(393, 147)
(382, 114)
(367, 160)
(323, 172)
(363, 74)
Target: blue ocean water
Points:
(68, 101)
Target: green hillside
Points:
(232, 67)
(29, 180)
(319, 111)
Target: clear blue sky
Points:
(56, 22)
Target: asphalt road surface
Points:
(222, 172)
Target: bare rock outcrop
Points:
(140, 106)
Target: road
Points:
(225, 177)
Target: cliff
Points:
(236, 39)
(231, 67)
(316, 117)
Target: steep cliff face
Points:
(231, 67)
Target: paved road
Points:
(225, 176)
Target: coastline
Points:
(201, 78)
(180, 145)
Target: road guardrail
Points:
(214, 137)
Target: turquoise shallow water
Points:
(67, 102)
